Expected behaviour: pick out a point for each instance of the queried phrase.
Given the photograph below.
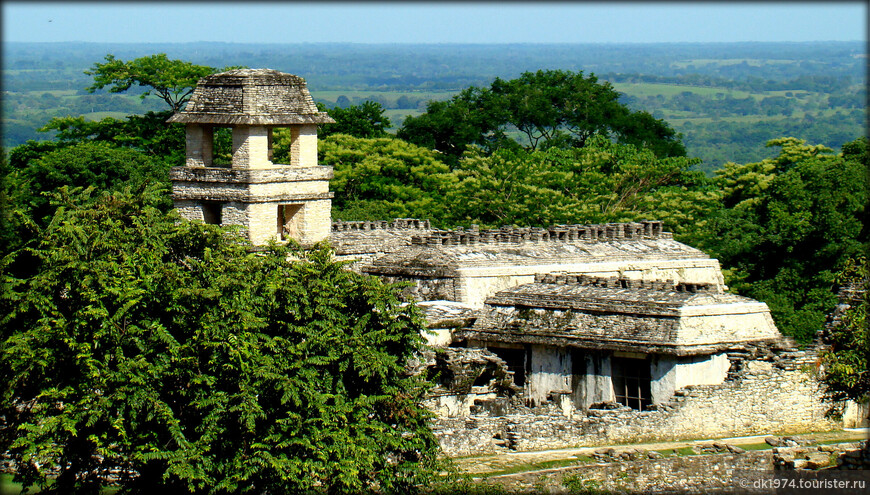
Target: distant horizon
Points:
(434, 42)
(433, 22)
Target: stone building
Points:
(540, 337)
(268, 200)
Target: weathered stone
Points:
(268, 201)
(818, 460)
(774, 442)
(735, 449)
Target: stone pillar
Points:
(251, 147)
(199, 143)
(303, 145)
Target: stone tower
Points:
(268, 200)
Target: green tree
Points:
(546, 108)
(846, 373)
(100, 165)
(449, 127)
(601, 182)
(789, 223)
(172, 80)
(169, 349)
(147, 133)
(366, 120)
(383, 178)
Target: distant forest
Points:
(726, 99)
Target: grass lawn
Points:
(8, 487)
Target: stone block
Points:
(818, 460)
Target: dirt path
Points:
(530, 461)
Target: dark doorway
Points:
(211, 212)
(516, 362)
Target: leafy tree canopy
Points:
(172, 80)
(383, 178)
(39, 171)
(148, 133)
(601, 182)
(543, 109)
(366, 120)
(167, 348)
(787, 225)
(846, 361)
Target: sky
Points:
(435, 22)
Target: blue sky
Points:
(436, 22)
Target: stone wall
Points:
(426, 289)
(684, 474)
(557, 233)
(777, 393)
(844, 457)
(361, 242)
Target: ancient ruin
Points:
(268, 200)
(540, 337)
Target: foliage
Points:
(165, 347)
(172, 80)
(147, 133)
(601, 182)
(384, 178)
(548, 108)
(366, 120)
(788, 224)
(846, 374)
(95, 164)
(449, 127)
(8, 224)
(824, 86)
(575, 483)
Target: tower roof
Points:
(252, 97)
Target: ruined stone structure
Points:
(470, 266)
(266, 199)
(540, 337)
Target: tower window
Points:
(222, 149)
(211, 213)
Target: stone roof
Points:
(446, 261)
(251, 97)
(652, 320)
(447, 314)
